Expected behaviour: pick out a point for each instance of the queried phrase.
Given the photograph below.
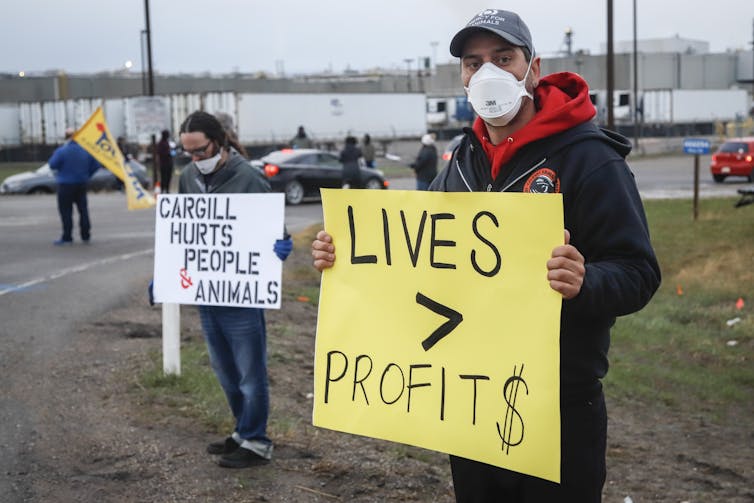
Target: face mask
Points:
(496, 94)
(207, 166)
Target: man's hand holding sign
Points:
(439, 323)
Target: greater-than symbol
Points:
(453, 316)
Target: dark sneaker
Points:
(62, 242)
(242, 458)
(223, 446)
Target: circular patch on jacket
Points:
(543, 181)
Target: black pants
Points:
(68, 195)
(351, 177)
(583, 442)
(166, 174)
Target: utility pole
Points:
(636, 87)
(610, 76)
(568, 40)
(150, 78)
(143, 43)
(171, 312)
(408, 73)
(434, 57)
(150, 88)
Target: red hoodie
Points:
(562, 101)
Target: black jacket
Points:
(426, 164)
(605, 216)
(349, 157)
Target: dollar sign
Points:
(510, 393)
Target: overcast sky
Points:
(219, 36)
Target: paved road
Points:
(45, 290)
(667, 177)
(673, 177)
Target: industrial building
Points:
(661, 65)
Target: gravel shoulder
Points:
(99, 441)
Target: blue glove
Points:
(150, 290)
(283, 248)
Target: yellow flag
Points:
(95, 138)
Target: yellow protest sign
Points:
(94, 136)
(437, 326)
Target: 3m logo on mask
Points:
(496, 94)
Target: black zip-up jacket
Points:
(605, 216)
(425, 164)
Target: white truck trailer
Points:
(692, 106)
(259, 118)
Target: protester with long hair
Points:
(235, 336)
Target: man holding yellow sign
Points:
(534, 135)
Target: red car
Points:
(735, 157)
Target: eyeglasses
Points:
(198, 152)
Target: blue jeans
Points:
(68, 195)
(237, 342)
(422, 185)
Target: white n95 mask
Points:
(207, 166)
(496, 94)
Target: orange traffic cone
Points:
(157, 188)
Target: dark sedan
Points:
(42, 180)
(301, 173)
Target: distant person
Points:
(301, 140)
(425, 165)
(123, 147)
(230, 129)
(165, 158)
(368, 151)
(72, 166)
(236, 337)
(349, 157)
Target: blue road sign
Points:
(696, 146)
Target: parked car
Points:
(42, 180)
(735, 157)
(300, 173)
(451, 146)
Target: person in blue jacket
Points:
(534, 134)
(72, 166)
(236, 336)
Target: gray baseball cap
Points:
(503, 23)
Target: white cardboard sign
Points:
(216, 249)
